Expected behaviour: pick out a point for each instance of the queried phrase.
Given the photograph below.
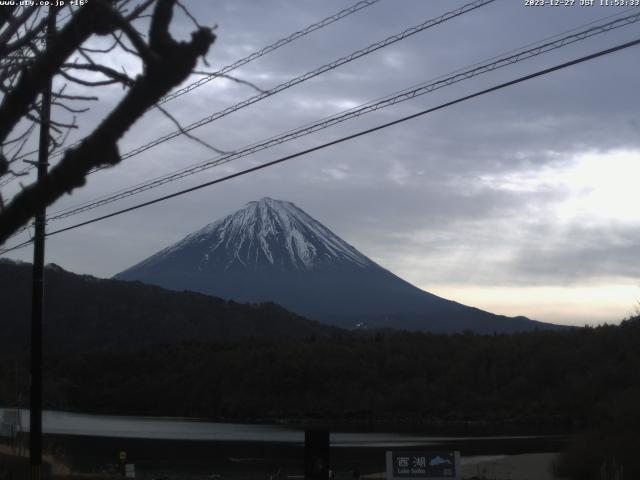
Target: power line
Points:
(343, 139)
(348, 115)
(228, 68)
(311, 74)
(302, 78)
(605, 27)
(269, 48)
(600, 29)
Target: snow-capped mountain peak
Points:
(265, 233)
(272, 251)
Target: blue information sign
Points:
(423, 465)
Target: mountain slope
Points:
(264, 235)
(84, 313)
(271, 250)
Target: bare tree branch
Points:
(184, 132)
(14, 25)
(169, 65)
(31, 35)
(22, 139)
(233, 79)
(139, 10)
(4, 165)
(6, 14)
(15, 104)
(87, 83)
(99, 50)
(134, 37)
(121, 44)
(68, 108)
(188, 14)
(107, 71)
(75, 97)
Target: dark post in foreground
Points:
(35, 417)
(316, 455)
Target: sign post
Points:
(316, 454)
(423, 465)
(122, 461)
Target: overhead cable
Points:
(342, 139)
(268, 49)
(348, 115)
(228, 68)
(312, 74)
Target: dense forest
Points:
(262, 363)
(584, 381)
(85, 313)
(562, 380)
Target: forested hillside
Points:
(561, 380)
(584, 381)
(84, 313)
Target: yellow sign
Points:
(123, 456)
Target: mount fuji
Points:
(271, 250)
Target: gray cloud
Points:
(426, 199)
(578, 254)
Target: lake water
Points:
(169, 428)
(185, 448)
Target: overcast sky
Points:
(521, 202)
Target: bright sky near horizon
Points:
(521, 202)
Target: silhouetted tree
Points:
(30, 56)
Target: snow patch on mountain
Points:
(266, 232)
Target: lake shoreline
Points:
(192, 448)
(408, 425)
(93, 454)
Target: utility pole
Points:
(35, 407)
